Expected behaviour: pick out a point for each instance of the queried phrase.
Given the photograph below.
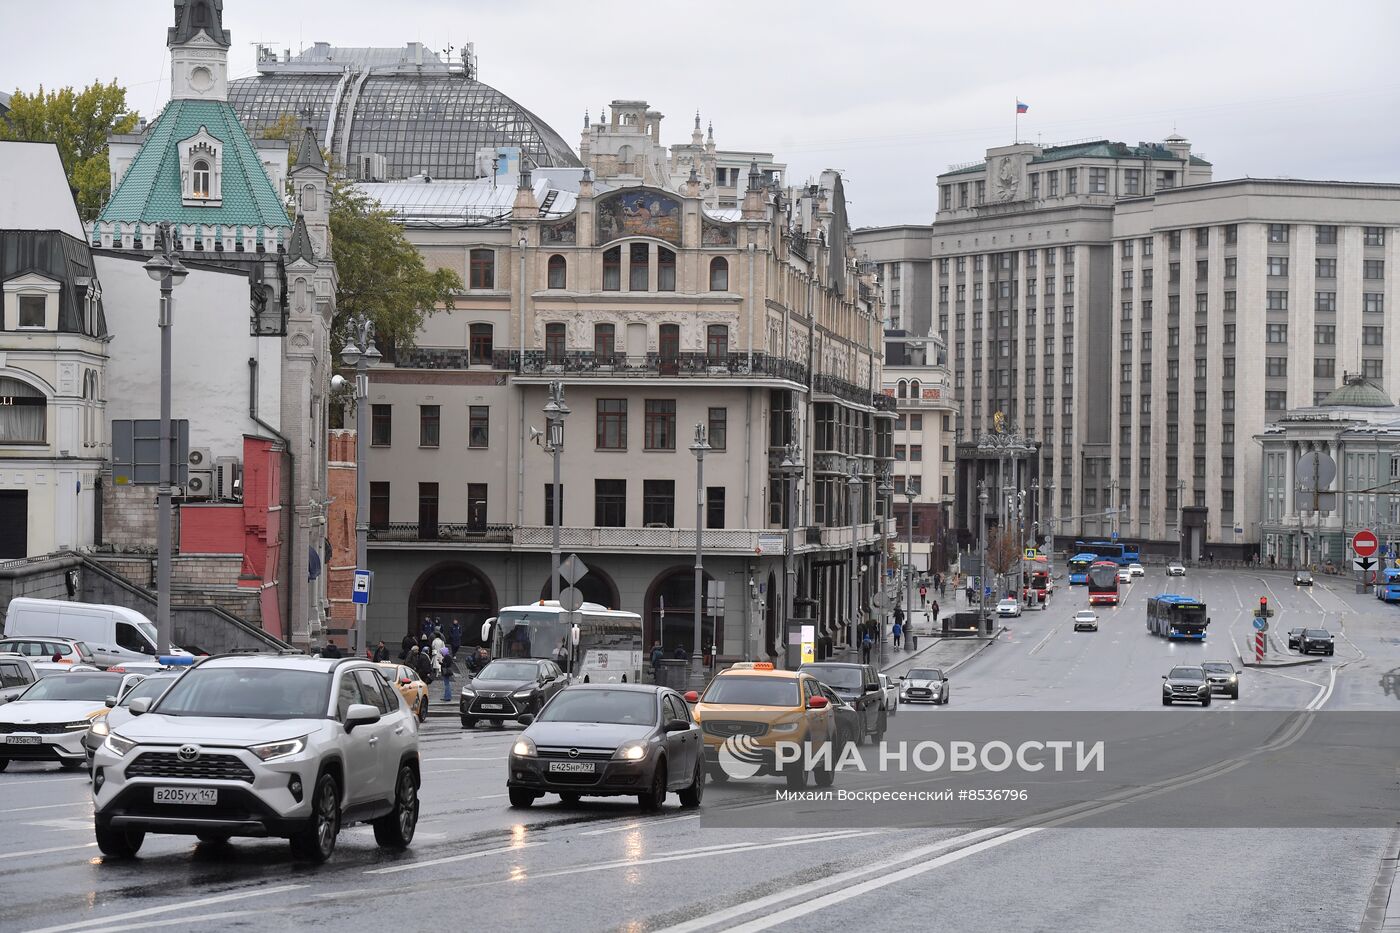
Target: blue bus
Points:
(1388, 585)
(1079, 568)
(1121, 553)
(1177, 617)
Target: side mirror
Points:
(872, 688)
(139, 706)
(359, 714)
(901, 676)
(816, 703)
(692, 697)
(1164, 676)
(405, 681)
(110, 702)
(526, 719)
(677, 725)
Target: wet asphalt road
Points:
(478, 864)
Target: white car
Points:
(1086, 620)
(1125, 575)
(890, 690)
(924, 685)
(1009, 607)
(16, 674)
(1176, 569)
(262, 745)
(1137, 570)
(48, 721)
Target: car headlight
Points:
(100, 727)
(1202, 688)
(468, 692)
(1233, 678)
(1166, 688)
(784, 727)
(118, 745)
(631, 751)
(273, 750)
(524, 694)
(524, 747)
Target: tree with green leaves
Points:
(78, 122)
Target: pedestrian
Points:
(408, 642)
(680, 654)
(418, 660)
(454, 639)
(656, 655)
(448, 668)
(934, 614)
(381, 654)
(331, 650)
(898, 631)
(866, 643)
(438, 643)
(426, 631)
(923, 595)
(898, 616)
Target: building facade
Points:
(916, 377)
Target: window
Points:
(200, 178)
(1276, 333)
(1373, 236)
(947, 197)
(1052, 180)
(1098, 181)
(481, 343)
(1372, 369)
(1326, 235)
(714, 506)
(1231, 267)
(639, 267)
(719, 274)
(1166, 179)
(1202, 303)
(1227, 400)
(1276, 300)
(1276, 366)
(717, 432)
(1147, 278)
(33, 311)
(1278, 265)
(1275, 400)
(612, 424)
(555, 337)
(1324, 367)
(427, 510)
(916, 452)
(1200, 401)
(1200, 368)
(24, 419)
(612, 269)
(1173, 239)
(1325, 335)
(1326, 268)
(429, 425)
(549, 503)
(1373, 269)
(381, 431)
(1325, 301)
(962, 194)
(1202, 270)
(1132, 181)
(1035, 184)
(1173, 272)
(981, 191)
(717, 342)
(604, 340)
(665, 270)
(479, 426)
(483, 268)
(1227, 434)
(660, 424)
(378, 505)
(1229, 304)
(1173, 336)
(1071, 180)
(476, 506)
(610, 503)
(558, 272)
(1372, 335)
(659, 503)
(1278, 233)
(1147, 247)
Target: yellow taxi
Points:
(411, 687)
(749, 708)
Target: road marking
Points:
(446, 860)
(53, 780)
(487, 758)
(1311, 683)
(489, 796)
(47, 806)
(1326, 693)
(639, 823)
(1042, 642)
(28, 852)
(107, 921)
(195, 922)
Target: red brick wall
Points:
(340, 527)
(262, 527)
(211, 529)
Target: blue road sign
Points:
(1261, 624)
(360, 593)
(1115, 536)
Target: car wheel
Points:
(4, 763)
(569, 800)
(895, 708)
(315, 841)
(468, 722)
(118, 843)
(423, 709)
(1235, 693)
(520, 798)
(826, 776)
(70, 765)
(690, 796)
(395, 829)
(794, 775)
(212, 838)
(1206, 701)
(498, 724)
(652, 800)
(1166, 702)
(880, 728)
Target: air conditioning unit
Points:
(371, 166)
(199, 459)
(200, 484)
(228, 478)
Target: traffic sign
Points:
(359, 593)
(1364, 543)
(1115, 536)
(1261, 625)
(572, 570)
(1363, 564)
(570, 599)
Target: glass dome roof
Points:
(1356, 392)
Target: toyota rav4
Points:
(259, 745)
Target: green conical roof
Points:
(1357, 392)
(150, 190)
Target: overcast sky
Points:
(889, 92)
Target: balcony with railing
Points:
(723, 541)
(622, 365)
(425, 531)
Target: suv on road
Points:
(262, 745)
(1086, 620)
(1186, 682)
(859, 686)
(1176, 569)
(1302, 578)
(1224, 678)
(1308, 640)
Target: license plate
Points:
(493, 706)
(201, 796)
(573, 767)
(21, 740)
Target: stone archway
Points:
(676, 586)
(453, 590)
(597, 587)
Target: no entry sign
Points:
(1364, 543)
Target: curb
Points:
(1292, 662)
(937, 640)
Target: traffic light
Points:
(1263, 607)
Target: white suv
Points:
(262, 745)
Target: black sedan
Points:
(848, 719)
(609, 740)
(857, 685)
(510, 689)
(1302, 578)
(1308, 640)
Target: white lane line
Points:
(53, 780)
(1042, 642)
(194, 923)
(1326, 693)
(447, 860)
(28, 852)
(1301, 680)
(640, 824)
(487, 758)
(47, 806)
(107, 921)
(489, 796)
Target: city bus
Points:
(1388, 585)
(1122, 553)
(1038, 580)
(1103, 583)
(1079, 568)
(593, 645)
(1177, 617)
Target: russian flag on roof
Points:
(1021, 108)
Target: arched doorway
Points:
(670, 612)
(453, 590)
(596, 586)
(772, 612)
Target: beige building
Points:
(657, 313)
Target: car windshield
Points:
(1218, 666)
(1304, 575)
(94, 687)
(925, 673)
(1084, 614)
(621, 707)
(1187, 673)
(1317, 633)
(509, 670)
(248, 693)
(842, 678)
(752, 691)
(150, 687)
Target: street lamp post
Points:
(1180, 515)
(886, 490)
(164, 267)
(982, 498)
(911, 494)
(853, 487)
(791, 470)
(697, 669)
(555, 411)
(360, 353)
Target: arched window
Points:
(558, 272)
(914, 388)
(612, 269)
(719, 274)
(554, 343)
(308, 198)
(903, 389)
(200, 179)
(23, 413)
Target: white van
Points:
(116, 635)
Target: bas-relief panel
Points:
(713, 234)
(579, 327)
(639, 213)
(559, 233)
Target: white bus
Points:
(593, 645)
